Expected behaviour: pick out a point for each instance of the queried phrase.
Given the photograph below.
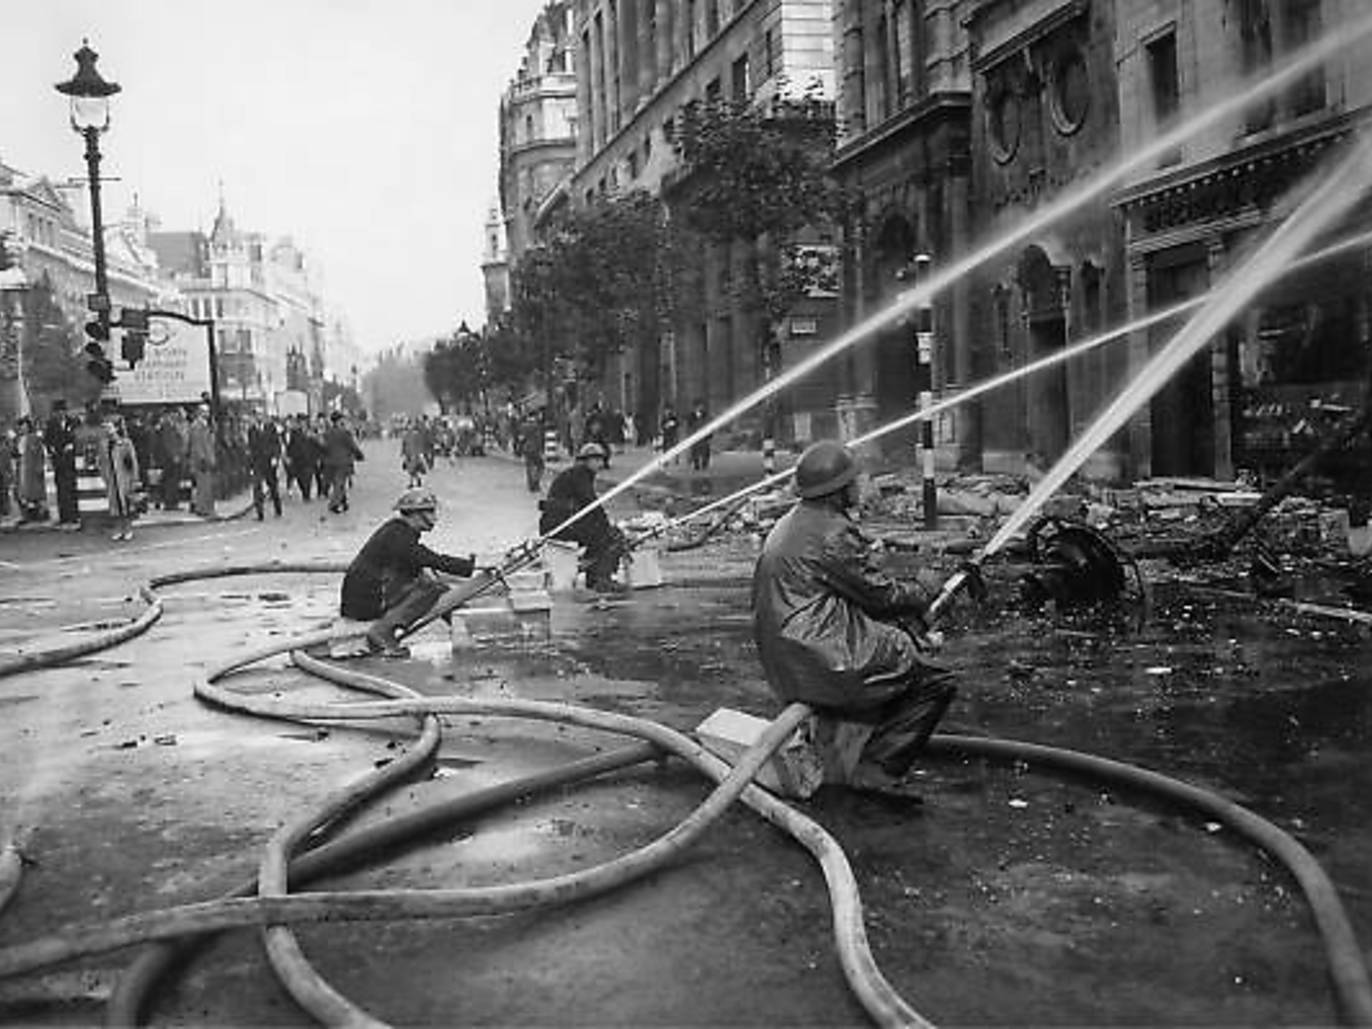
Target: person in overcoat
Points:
(341, 453)
(838, 633)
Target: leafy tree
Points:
(592, 288)
(53, 363)
(758, 176)
(396, 384)
(457, 370)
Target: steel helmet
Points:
(590, 450)
(825, 467)
(417, 500)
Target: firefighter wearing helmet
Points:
(837, 632)
(392, 582)
(570, 492)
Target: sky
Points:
(366, 130)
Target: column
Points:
(666, 26)
(960, 342)
(647, 50)
(1221, 391)
(610, 43)
(585, 98)
(1141, 425)
(626, 40)
(853, 84)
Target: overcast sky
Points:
(365, 129)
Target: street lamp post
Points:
(90, 96)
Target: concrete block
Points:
(349, 639)
(561, 561)
(645, 568)
(795, 770)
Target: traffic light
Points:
(131, 347)
(97, 363)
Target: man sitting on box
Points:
(572, 490)
(836, 632)
(391, 581)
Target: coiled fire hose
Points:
(1349, 975)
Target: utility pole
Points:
(924, 385)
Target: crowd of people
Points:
(167, 459)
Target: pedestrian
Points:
(31, 482)
(670, 427)
(594, 431)
(117, 460)
(836, 632)
(531, 450)
(697, 419)
(9, 467)
(340, 453)
(264, 457)
(416, 452)
(59, 436)
(203, 461)
(173, 443)
(604, 545)
(391, 581)
(141, 437)
(302, 451)
(318, 433)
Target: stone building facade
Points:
(639, 64)
(1046, 120)
(538, 129)
(1261, 394)
(52, 248)
(904, 107)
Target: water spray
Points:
(1091, 189)
(1332, 198)
(777, 479)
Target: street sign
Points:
(133, 318)
(97, 302)
(175, 368)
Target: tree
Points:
(396, 384)
(592, 288)
(758, 176)
(53, 364)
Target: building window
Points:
(219, 308)
(1163, 86)
(647, 149)
(1003, 121)
(590, 108)
(1255, 37)
(1300, 26)
(1070, 90)
(528, 128)
(769, 61)
(711, 18)
(740, 88)
(905, 56)
(690, 15)
(878, 82)
(713, 90)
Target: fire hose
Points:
(274, 907)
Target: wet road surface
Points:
(1011, 897)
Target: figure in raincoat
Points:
(837, 632)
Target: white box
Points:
(562, 561)
(645, 570)
(795, 770)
